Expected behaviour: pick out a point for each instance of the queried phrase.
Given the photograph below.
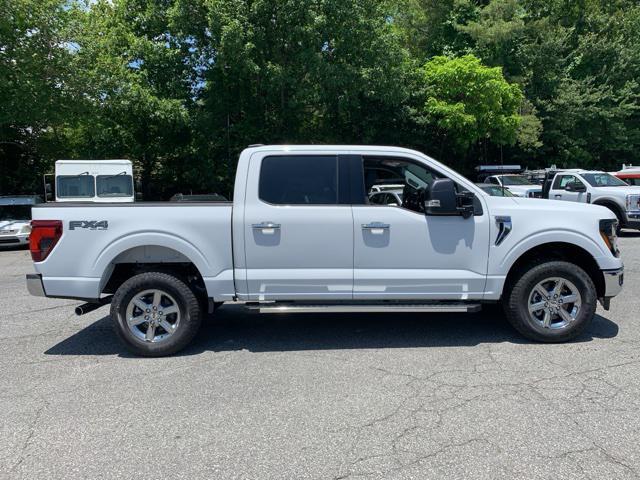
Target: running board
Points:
(441, 307)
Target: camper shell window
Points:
(75, 186)
(119, 185)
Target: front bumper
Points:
(613, 281)
(633, 221)
(34, 285)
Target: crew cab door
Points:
(559, 189)
(298, 231)
(402, 254)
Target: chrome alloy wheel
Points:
(554, 303)
(152, 315)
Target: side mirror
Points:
(442, 199)
(575, 187)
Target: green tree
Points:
(137, 92)
(37, 85)
(468, 102)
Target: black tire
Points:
(187, 302)
(517, 295)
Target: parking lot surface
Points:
(319, 396)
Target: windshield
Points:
(115, 185)
(75, 186)
(603, 180)
(15, 212)
(514, 180)
(496, 191)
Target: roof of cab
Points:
(343, 148)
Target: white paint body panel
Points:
(80, 263)
(319, 252)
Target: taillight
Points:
(44, 236)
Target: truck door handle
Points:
(558, 196)
(376, 227)
(266, 226)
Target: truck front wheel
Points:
(553, 301)
(155, 314)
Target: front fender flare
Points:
(602, 257)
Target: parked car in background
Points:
(598, 188)
(495, 190)
(208, 197)
(15, 218)
(385, 188)
(517, 184)
(392, 198)
(630, 175)
(99, 181)
(302, 236)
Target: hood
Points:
(13, 224)
(564, 208)
(615, 191)
(523, 189)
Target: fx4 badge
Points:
(89, 224)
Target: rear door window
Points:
(299, 180)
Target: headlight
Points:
(26, 229)
(608, 229)
(633, 203)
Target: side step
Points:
(435, 307)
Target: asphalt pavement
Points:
(317, 396)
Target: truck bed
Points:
(98, 236)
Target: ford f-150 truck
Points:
(301, 235)
(598, 188)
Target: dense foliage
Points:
(181, 86)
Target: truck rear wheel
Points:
(155, 314)
(553, 301)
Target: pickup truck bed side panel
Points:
(200, 233)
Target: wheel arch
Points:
(558, 251)
(149, 258)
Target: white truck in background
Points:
(302, 236)
(99, 181)
(517, 184)
(597, 188)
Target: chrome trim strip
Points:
(361, 308)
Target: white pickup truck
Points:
(598, 188)
(519, 185)
(301, 235)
